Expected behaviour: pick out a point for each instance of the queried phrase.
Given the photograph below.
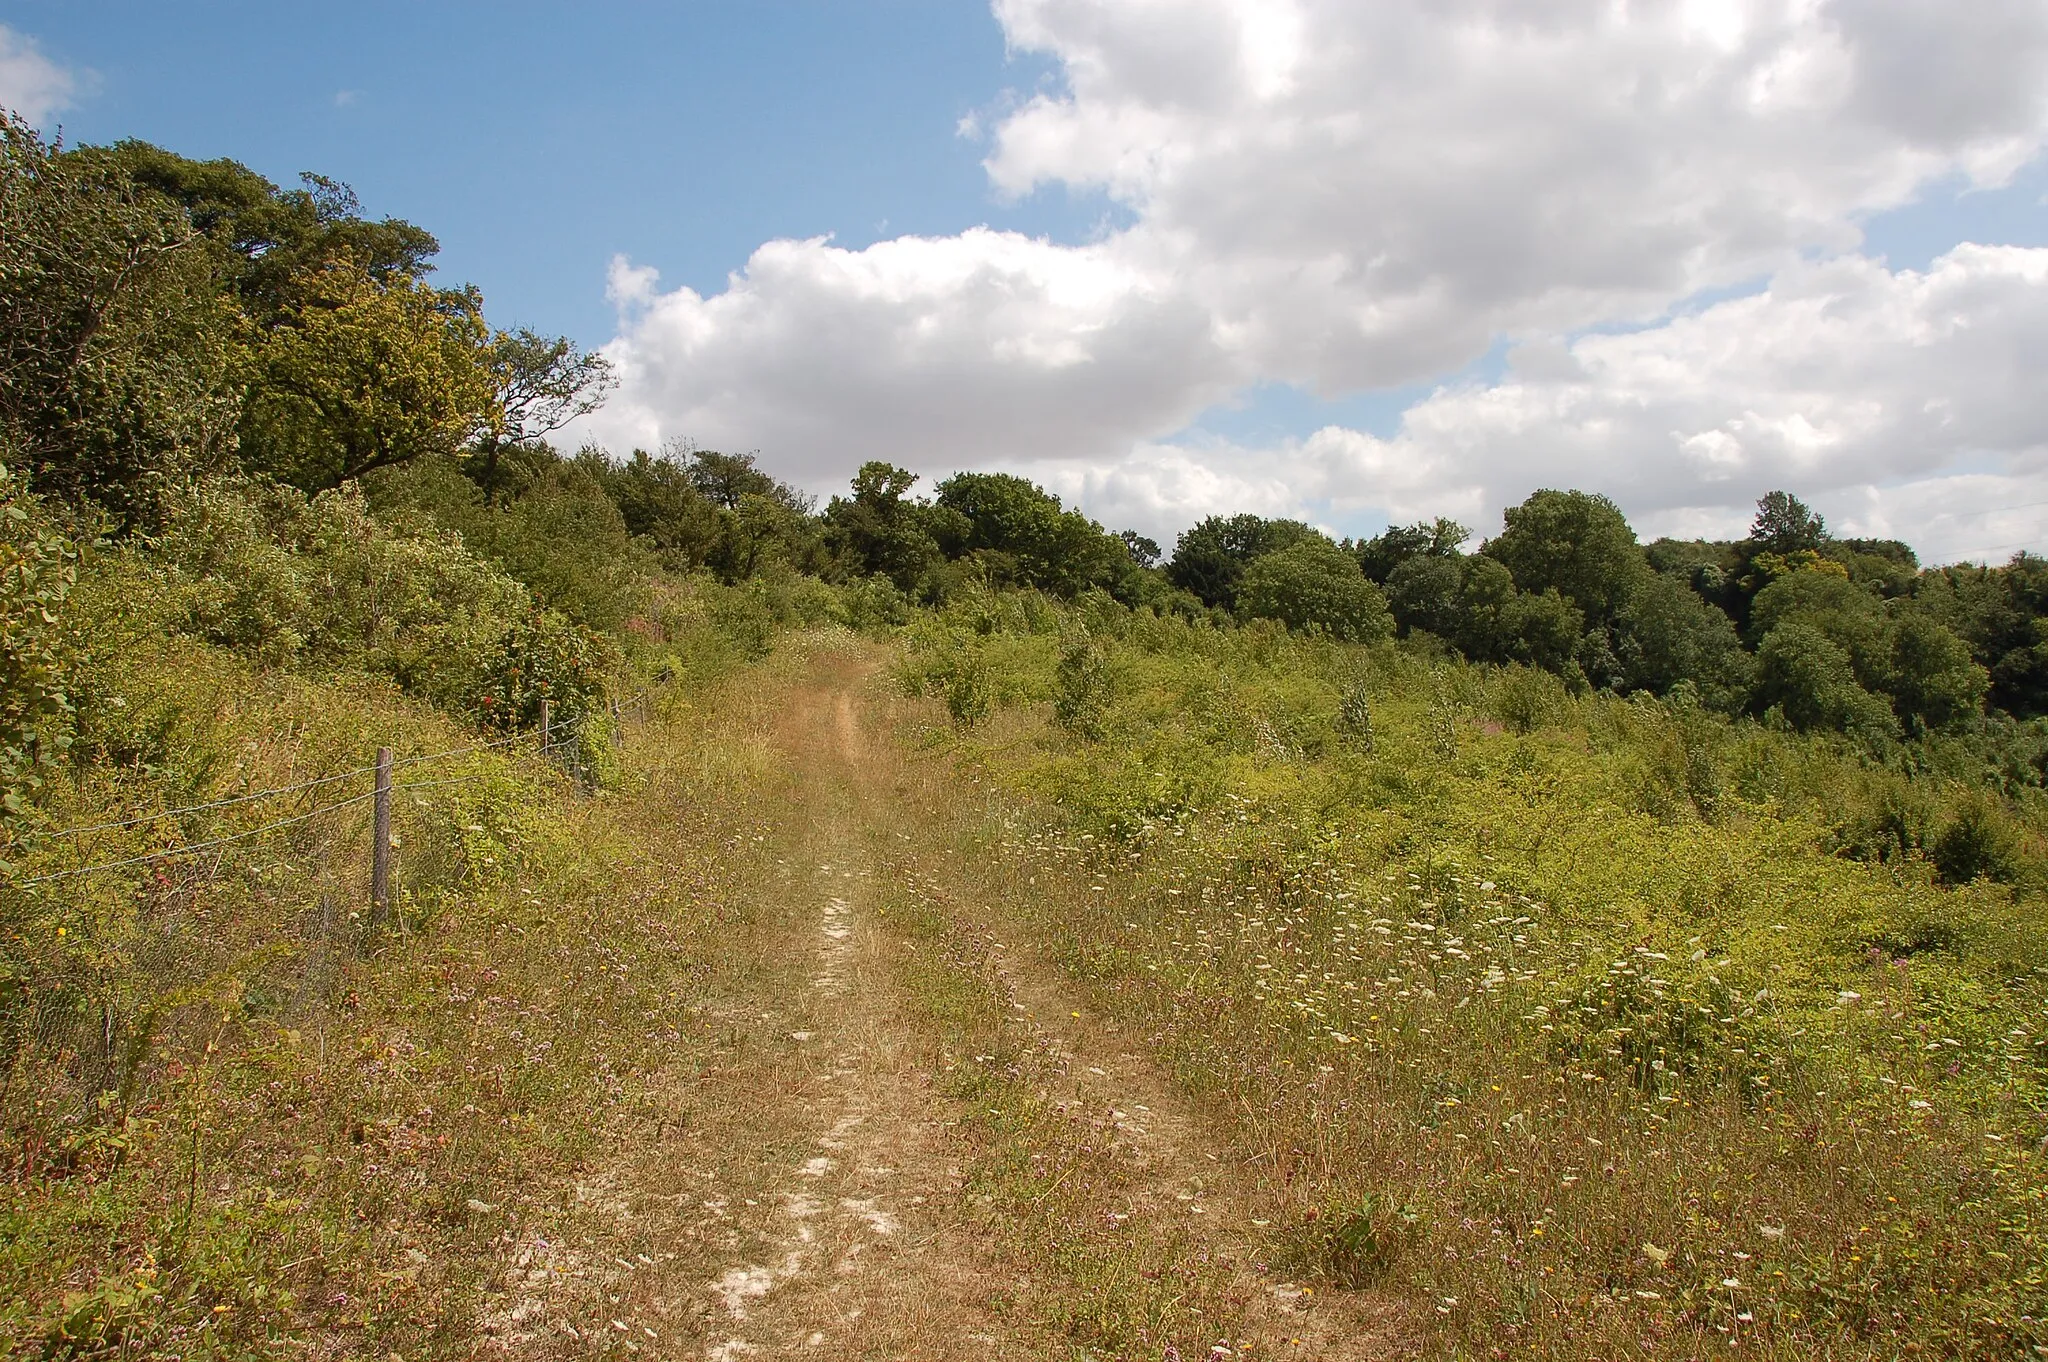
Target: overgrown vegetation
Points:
(1608, 946)
(1593, 1024)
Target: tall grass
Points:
(1564, 1020)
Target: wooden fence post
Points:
(380, 842)
(547, 722)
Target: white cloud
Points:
(1349, 196)
(31, 84)
(930, 352)
(1369, 194)
(1903, 403)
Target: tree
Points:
(1423, 592)
(1211, 557)
(1934, 683)
(1314, 584)
(367, 375)
(1809, 679)
(271, 241)
(1023, 534)
(542, 385)
(118, 351)
(879, 530)
(660, 505)
(1577, 542)
(728, 479)
(1399, 544)
(1784, 525)
(1666, 634)
(1144, 551)
(1848, 614)
(1497, 623)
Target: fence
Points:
(113, 956)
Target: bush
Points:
(1978, 842)
(265, 570)
(37, 570)
(1081, 689)
(543, 657)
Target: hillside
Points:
(940, 926)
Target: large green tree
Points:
(1314, 584)
(882, 530)
(1578, 542)
(366, 374)
(1022, 534)
(1212, 556)
(119, 351)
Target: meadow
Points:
(1567, 1017)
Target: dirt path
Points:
(813, 1203)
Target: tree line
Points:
(165, 321)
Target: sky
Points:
(1358, 264)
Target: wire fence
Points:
(109, 961)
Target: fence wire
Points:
(101, 971)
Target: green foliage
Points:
(1527, 698)
(1385, 554)
(38, 566)
(1082, 688)
(119, 354)
(1668, 635)
(362, 374)
(1784, 525)
(267, 571)
(1426, 591)
(1810, 679)
(543, 657)
(970, 698)
(270, 241)
(1978, 842)
(1576, 542)
(1354, 714)
(880, 531)
(1211, 558)
(1313, 584)
(1933, 680)
(1021, 535)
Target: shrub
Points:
(543, 657)
(1526, 698)
(1978, 842)
(1081, 689)
(1354, 715)
(265, 570)
(37, 570)
(969, 697)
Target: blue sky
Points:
(1158, 358)
(537, 140)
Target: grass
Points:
(339, 1138)
(1576, 1039)
(1489, 1021)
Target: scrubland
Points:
(1568, 1022)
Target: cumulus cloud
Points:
(1348, 196)
(1369, 194)
(31, 84)
(1904, 403)
(930, 352)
